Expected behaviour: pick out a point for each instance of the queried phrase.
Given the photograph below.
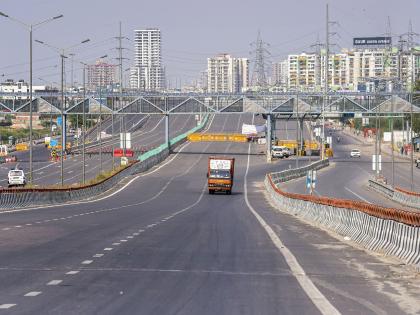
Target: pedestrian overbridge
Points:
(282, 104)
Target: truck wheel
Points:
(228, 192)
(211, 192)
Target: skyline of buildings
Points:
(351, 70)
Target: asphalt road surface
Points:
(163, 245)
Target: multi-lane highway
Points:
(163, 245)
(150, 135)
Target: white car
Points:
(277, 152)
(355, 153)
(16, 177)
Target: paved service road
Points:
(163, 245)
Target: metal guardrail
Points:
(20, 198)
(393, 232)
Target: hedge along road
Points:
(164, 246)
(48, 173)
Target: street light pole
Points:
(30, 105)
(84, 126)
(62, 120)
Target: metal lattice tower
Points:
(259, 74)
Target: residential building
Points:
(147, 74)
(354, 70)
(226, 74)
(303, 72)
(101, 74)
(279, 77)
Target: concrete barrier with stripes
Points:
(392, 232)
(402, 196)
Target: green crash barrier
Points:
(159, 149)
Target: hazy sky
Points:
(192, 30)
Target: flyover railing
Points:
(393, 232)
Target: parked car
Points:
(355, 153)
(16, 177)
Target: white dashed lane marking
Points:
(116, 244)
(33, 293)
(54, 282)
(98, 255)
(108, 248)
(73, 272)
(6, 306)
(87, 262)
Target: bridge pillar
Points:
(167, 139)
(269, 137)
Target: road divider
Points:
(397, 194)
(389, 231)
(217, 137)
(25, 197)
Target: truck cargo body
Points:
(220, 174)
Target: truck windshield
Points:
(15, 173)
(219, 173)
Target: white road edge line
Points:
(319, 300)
(357, 195)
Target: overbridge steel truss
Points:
(165, 104)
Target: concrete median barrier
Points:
(400, 195)
(392, 232)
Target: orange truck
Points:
(220, 174)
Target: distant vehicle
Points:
(16, 177)
(338, 139)
(220, 174)
(277, 151)
(417, 161)
(286, 152)
(355, 153)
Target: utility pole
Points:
(72, 70)
(120, 59)
(259, 78)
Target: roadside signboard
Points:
(53, 143)
(124, 161)
(125, 140)
(374, 162)
(59, 121)
(47, 140)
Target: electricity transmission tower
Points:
(259, 74)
